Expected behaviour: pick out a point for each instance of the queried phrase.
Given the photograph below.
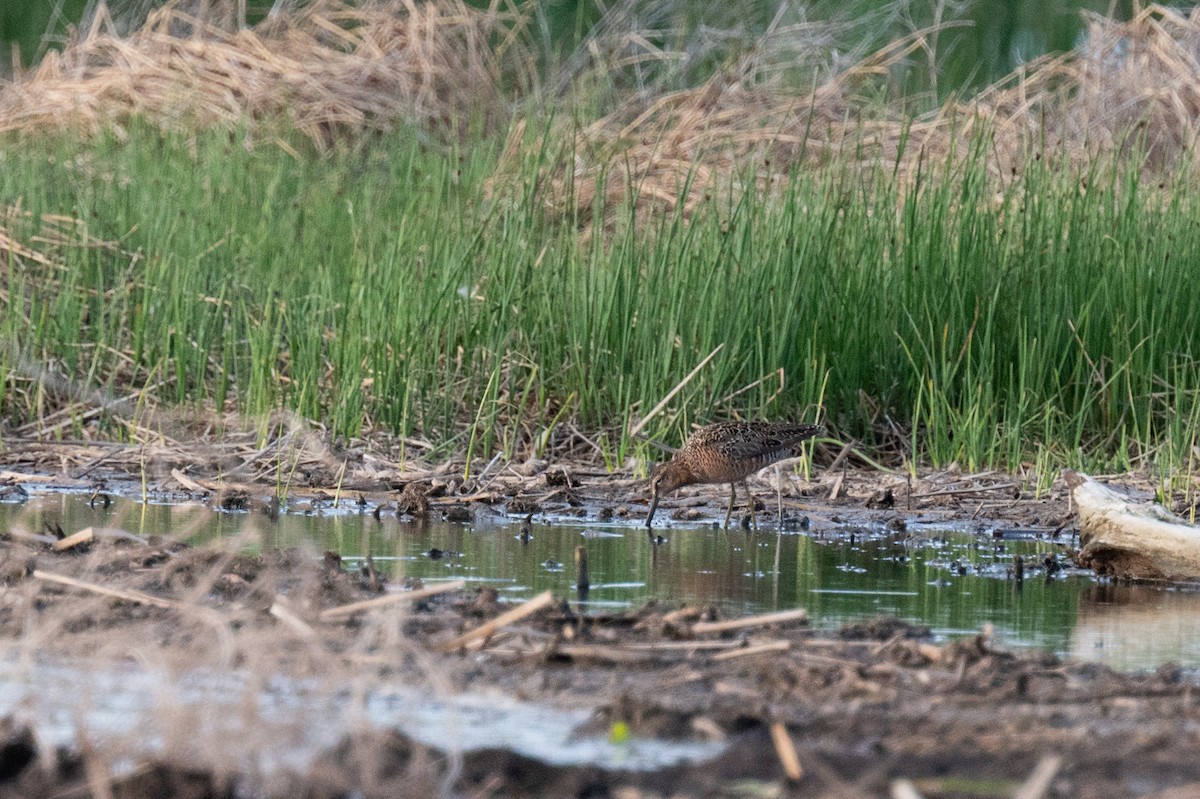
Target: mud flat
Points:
(153, 668)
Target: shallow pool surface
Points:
(940, 575)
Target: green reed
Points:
(1051, 323)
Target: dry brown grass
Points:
(676, 152)
(1133, 87)
(330, 69)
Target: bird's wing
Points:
(748, 440)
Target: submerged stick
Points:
(116, 593)
(542, 600)
(785, 748)
(702, 627)
(582, 580)
(342, 611)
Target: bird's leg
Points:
(750, 506)
(729, 510)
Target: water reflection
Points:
(950, 580)
(1129, 626)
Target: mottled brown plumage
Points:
(727, 453)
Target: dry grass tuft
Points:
(331, 69)
(1132, 87)
(675, 152)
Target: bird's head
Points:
(665, 479)
(668, 477)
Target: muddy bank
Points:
(862, 707)
(239, 475)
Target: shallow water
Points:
(294, 719)
(943, 576)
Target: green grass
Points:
(1049, 325)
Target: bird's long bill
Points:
(653, 505)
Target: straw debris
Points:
(1132, 88)
(330, 70)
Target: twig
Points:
(837, 486)
(70, 542)
(786, 749)
(280, 611)
(33, 538)
(702, 627)
(777, 373)
(129, 596)
(7, 476)
(188, 483)
(840, 458)
(949, 492)
(1039, 781)
(99, 778)
(633, 431)
(757, 649)
(667, 646)
(605, 654)
(91, 534)
(904, 789)
(341, 611)
(542, 600)
(100, 405)
(634, 653)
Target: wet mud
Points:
(873, 709)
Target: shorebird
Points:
(727, 453)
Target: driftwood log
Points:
(1131, 538)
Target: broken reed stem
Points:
(89, 534)
(582, 579)
(785, 748)
(633, 431)
(904, 789)
(484, 631)
(757, 649)
(285, 614)
(1039, 781)
(128, 596)
(342, 611)
(84, 536)
(641, 653)
(950, 492)
(702, 627)
(97, 772)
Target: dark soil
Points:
(864, 708)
